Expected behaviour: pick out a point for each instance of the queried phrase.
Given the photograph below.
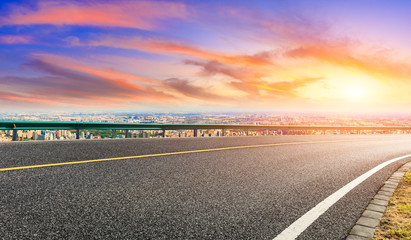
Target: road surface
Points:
(219, 193)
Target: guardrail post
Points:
(78, 134)
(164, 133)
(14, 138)
(195, 132)
(126, 133)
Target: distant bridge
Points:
(56, 125)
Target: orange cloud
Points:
(275, 89)
(187, 88)
(173, 89)
(211, 68)
(136, 14)
(113, 75)
(71, 84)
(250, 80)
(15, 97)
(109, 74)
(376, 64)
(157, 46)
(208, 55)
(182, 86)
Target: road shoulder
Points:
(370, 219)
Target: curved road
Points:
(231, 193)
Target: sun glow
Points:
(355, 93)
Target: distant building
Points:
(58, 134)
(51, 136)
(35, 136)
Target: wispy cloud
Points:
(67, 85)
(189, 53)
(17, 98)
(211, 68)
(170, 47)
(191, 90)
(132, 14)
(15, 39)
(73, 64)
(251, 80)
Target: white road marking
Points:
(297, 227)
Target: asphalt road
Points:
(245, 193)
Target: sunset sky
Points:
(348, 56)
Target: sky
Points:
(115, 55)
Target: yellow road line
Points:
(162, 154)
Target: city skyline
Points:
(362, 121)
(341, 56)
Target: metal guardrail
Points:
(54, 125)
